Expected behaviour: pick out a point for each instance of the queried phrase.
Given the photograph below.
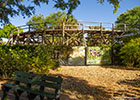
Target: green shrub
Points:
(127, 39)
(130, 53)
(39, 58)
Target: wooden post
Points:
(28, 37)
(67, 42)
(84, 42)
(17, 38)
(38, 38)
(63, 33)
(124, 27)
(10, 41)
(43, 34)
(42, 39)
(101, 27)
(101, 30)
(11, 37)
(52, 39)
(24, 39)
(86, 53)
(112, 47)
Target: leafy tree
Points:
(114, 2)
(37, 22)
(61, 17)
(55, 20)
(12, 8)
(5, 32)
(131, 18)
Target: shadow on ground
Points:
(79, 88)
(133, 83)
(133, 90)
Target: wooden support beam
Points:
(43, 39)
(17, 37)
(101, 27)
(63, 32)
(72, 37)
(112, 47)
(67, 42)
(125, 27)
(86, 54)
(83, 32)
(10, 41)
(47, 40)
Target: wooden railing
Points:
(80, 25)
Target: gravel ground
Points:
(99, 82)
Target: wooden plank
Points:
(32, 75)
(63, 32)
(37, 82)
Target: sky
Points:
(88, 10)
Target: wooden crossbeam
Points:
(47, 40)
(72, 37)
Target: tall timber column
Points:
(63, 32)
(112, 46)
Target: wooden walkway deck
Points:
(69, 34)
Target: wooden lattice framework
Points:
(73, 35)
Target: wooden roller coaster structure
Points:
(80, 34)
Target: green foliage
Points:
(120, 44)
(12, 8)
(106, 58)
(116, 55)
(59, 18)
(39, 58)
(37, 22)
(131, 18)
(53, 21)
(127, 39)
(64, 4)
(114, 2)
(96, 27)
(7, 29)
(130, 53)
